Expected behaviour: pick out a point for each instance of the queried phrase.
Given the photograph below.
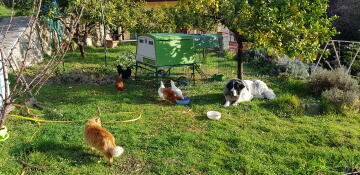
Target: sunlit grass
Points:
(252, 138)
(4, 12)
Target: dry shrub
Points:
(323, 80)
(339, 101)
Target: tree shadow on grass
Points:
(289, 85)
(72, 152)
(136, 92)
(96, 55)
(208, 99)
(81, 94)
(201, 117)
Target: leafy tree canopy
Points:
(293, 27)
(157, 20)
(192, 19)
(125, 14)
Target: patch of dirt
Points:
(83, 77)
(130, 165)
(196, 128)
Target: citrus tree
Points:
(162, 19)
(92, 15)
(192, 19)
(125, 14)
(293, 27)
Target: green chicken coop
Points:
(162, 51)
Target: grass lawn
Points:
(4, 12)
(252, 138)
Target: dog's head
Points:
(235, 87)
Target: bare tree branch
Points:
(30, 85)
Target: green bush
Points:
(126, 59)
(323, 80)
(338, 101)
(287, 105)
(228, 54)
(259, 58)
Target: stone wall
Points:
(32, 47)
(16, 41)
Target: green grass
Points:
(4, 12)
(171, 139)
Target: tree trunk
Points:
(79, 40)
(240, 68)
(82, 49)
(2, 118)
(122, 35)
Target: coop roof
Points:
(206, 40)
(169, 36)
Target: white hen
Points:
(161, 95)
(176, 89)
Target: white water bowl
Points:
(213, 115)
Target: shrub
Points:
(126, 59)
(336, 100)
(259, 58)
(273, 65)
(323, 80)
(293, 67)
(228, 54)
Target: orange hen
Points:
(119, 84)
(170, 96)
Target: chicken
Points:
(167, 94)
(161, 95)
(176, 89)
(126, 73)
(119, 84)
(170, 95)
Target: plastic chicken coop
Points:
(158, 52)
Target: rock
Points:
(312, 108)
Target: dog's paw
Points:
(235, 104)
(226, 104)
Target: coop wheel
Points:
(182, 81)
(161, 73)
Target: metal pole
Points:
(104, 37)
(136, 70)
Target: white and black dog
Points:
(237, 91)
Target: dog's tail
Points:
(117, 151)
(269, 94)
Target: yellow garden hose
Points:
(42, 121)
(124, 121)
(73, 121)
